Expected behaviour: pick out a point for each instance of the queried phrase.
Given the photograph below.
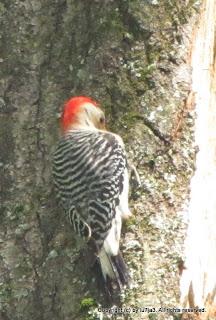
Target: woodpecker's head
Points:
(82, 113)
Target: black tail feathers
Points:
(112, 276)
(120, 269)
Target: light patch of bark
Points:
(198, 282)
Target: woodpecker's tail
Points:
(121, 269)
(111, 273)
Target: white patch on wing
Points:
(111, 243)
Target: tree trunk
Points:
(198, 283)
(132, 58)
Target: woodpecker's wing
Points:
(89, 168)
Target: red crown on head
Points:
(71, 110)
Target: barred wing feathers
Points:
(89, 174)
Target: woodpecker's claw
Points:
(134, 176)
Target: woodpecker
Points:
(91, 180)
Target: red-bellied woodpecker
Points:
(91, 180)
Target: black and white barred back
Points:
(89, 174)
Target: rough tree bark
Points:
(131, 57)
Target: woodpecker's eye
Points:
(102, 119)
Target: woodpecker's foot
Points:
(134, 176)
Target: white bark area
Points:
(198, 282)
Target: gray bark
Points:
(130, 56)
